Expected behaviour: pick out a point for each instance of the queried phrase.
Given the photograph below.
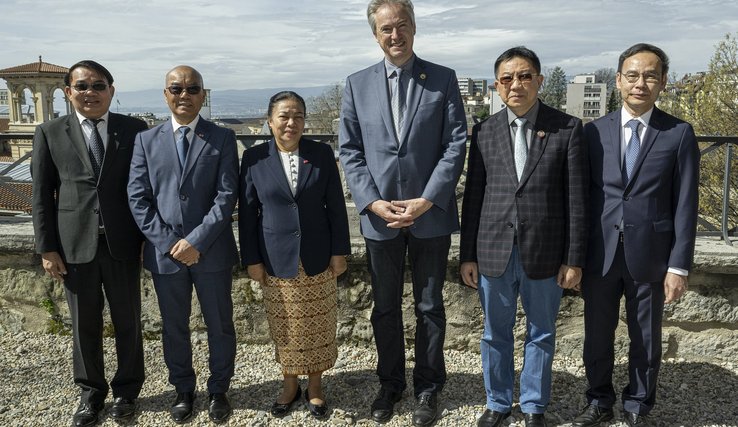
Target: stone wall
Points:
(703, 325)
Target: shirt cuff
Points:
(678, 271)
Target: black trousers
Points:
(86, 287)
(644, 308)
(428, 259)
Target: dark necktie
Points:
(398, 102)
(96, 148)
(182, 145)
(633, 148)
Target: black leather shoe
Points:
(87, 414)
(592, 416)
(426, 410)
(122, 408)
(535, 420)
(318, 411)
(181, 411)
(219, 408)
(492, 418)
(383, 406)
(633, 419)
(281, 409)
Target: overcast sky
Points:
(248, 44)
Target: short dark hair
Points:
(281, 96)
(645, 47)
(92, 65)
(518, 52)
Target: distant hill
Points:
(225, 103)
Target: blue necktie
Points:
(182, 145)
(633, 148)
(96, 149)
(398, 103)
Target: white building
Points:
(472, 87)
(585, 98)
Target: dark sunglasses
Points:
(177, 90)
(522, 78)
(84, 87)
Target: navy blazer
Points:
(549, 202)
(425, 161)
(197, 203)
(279, 229)
(658, 205)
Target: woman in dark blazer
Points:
(294, 238)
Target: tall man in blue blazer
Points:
(402, 144)
(182, 190)
(87, 237)
(523, 225)
(644, 168)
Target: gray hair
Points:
(374, 6)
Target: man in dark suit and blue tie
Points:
(182, 190)
(643, 196)
(402, 143)
(87, 237)
(523, 225)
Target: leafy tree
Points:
(554, 88)
(483, 113)
(324, 109)
(613, 100)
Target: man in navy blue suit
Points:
(182, 190)
(644, 168)
(403, 139)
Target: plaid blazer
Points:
(549, 202)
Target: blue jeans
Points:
(499, 298)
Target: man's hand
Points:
(674, 287)
(53, 265)
(337, 265)
(470, 274)
(257, 272)
(393, 215)
(185, 253)
(412, 207)
(569, 277)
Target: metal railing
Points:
(715, 142)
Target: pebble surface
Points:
(36, 388)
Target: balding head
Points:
(184, 93)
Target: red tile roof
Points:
(11, 201)
(39, 67)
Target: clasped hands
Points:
(400, 213)
(185, 253)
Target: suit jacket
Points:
(658, 205)
(280, 229)
(549, 202)
(67, 199)
(425, 161)
(195, 202)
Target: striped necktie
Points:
(96, 148)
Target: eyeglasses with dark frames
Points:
(84, 87)
(523, 78)
(177, 90)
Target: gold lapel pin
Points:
(422, 76)
(541, 134)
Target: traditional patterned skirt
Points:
(302, 321)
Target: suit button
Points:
(518, 195)
(626, 198)
(510, 225)
(297, 234)
(182, 197)
(294, 205)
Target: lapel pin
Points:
(541, 134)
(201, 135)
(422, 76)
(304, 162)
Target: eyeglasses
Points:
(177, 90)
(523, 78)
(633, 77)
(84, 87)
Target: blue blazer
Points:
(279, 229)
(658, 205)
(169, 203)
(425, 161)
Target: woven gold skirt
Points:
(302, 321)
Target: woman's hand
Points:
(257, 272)
(337, 265)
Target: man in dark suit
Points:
(182, 191)
(523, 224)
(643, 197)
(87, 237)
(402, 143)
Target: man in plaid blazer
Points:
(523, 228)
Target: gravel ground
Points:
(36, 388)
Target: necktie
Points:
(634, 146)
(521, 147)
(398, 102)
(182, 145)
(96, 148)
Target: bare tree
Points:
(324, 109)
